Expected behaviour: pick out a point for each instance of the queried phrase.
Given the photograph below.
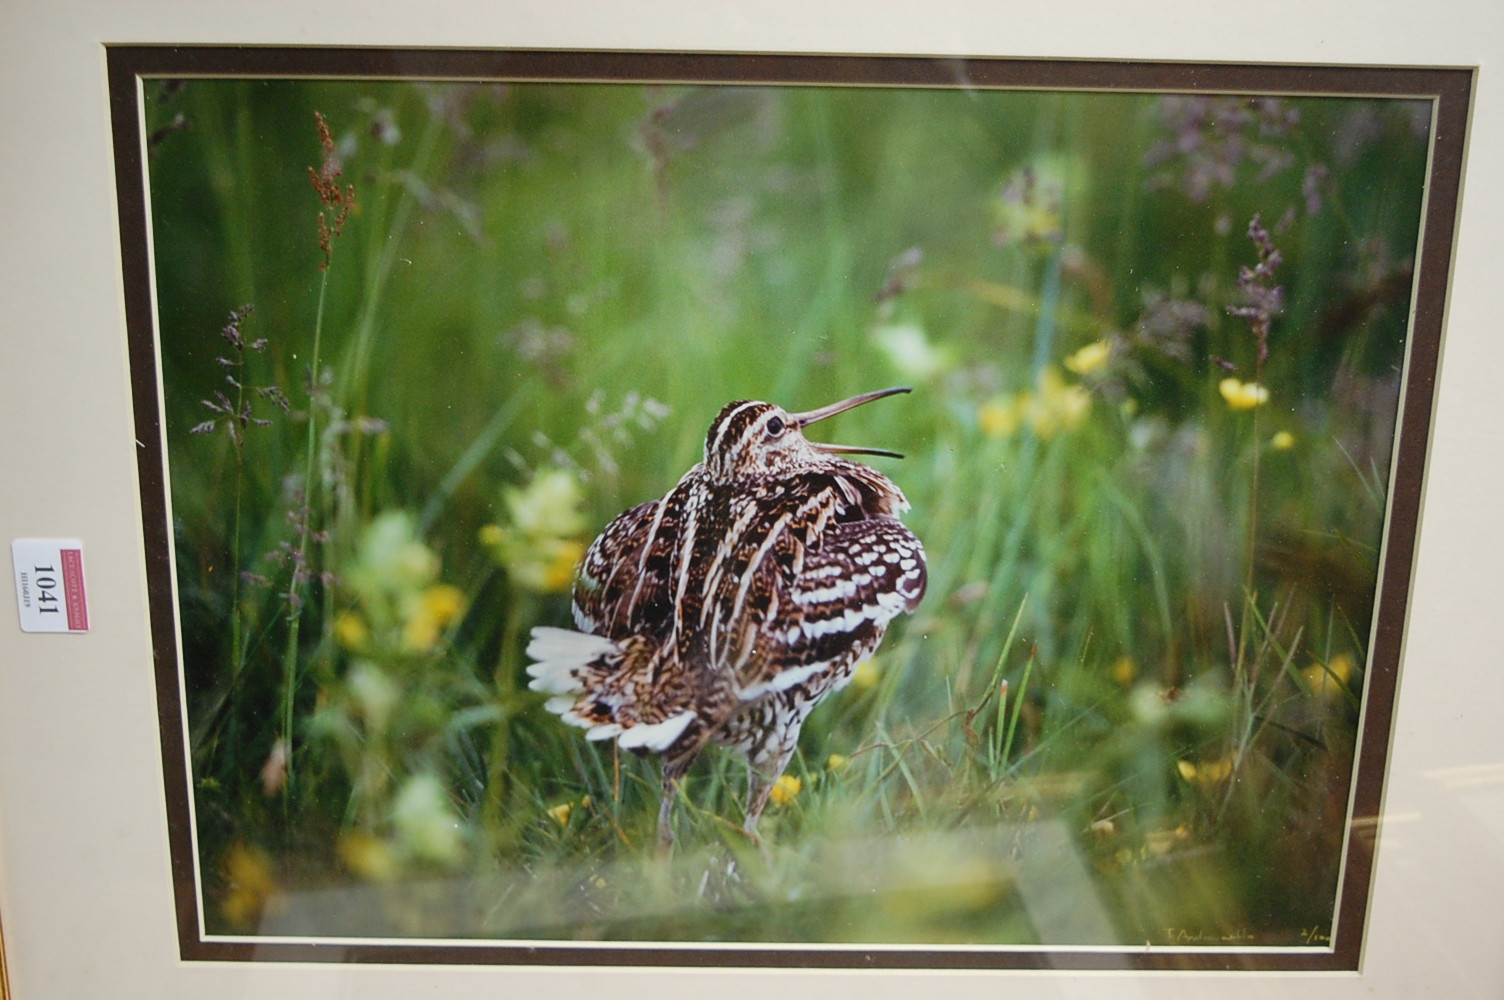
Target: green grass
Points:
(1129, 701)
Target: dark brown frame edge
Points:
(1450, 88)
(4, 974)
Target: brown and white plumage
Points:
(724, 611)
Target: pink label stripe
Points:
(73, 590)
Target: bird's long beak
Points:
(803, 420)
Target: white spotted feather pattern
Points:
(727, 609)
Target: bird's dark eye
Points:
(775, 427)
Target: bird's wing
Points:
(623, 585)
(858, 577)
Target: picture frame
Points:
(375, 957)
(713, 82)
(4, 976)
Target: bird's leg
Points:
(666, 817)
(758, 790)
(761, 777)
(673, 771)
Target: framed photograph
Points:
(361, 362)
(1098, 673)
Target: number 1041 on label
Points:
(50, 584)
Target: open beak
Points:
(803, 420)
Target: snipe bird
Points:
(726, 610)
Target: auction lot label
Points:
(50, 584)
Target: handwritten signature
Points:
(1237, 936)
(1185, 935)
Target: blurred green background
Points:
(1126, 711)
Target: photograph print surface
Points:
(1070, 647)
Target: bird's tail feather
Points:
(562, 657)
(590, 679)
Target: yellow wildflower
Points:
(1206, 772)
(559, 573)
(835, 762)
(1282, 441)
(251, 882)
(433, 609)
(866, 676)
(786, 789)
(1242, 395)
(351, 631)
(443, 603)
(419, 634)
(560, 813)
(1123, 670)
(1331, 678)
(547, 507)
(1056, 406)
(539, 546)
(391, 579)
(999, 417)
(1089, 358)
(368, 856)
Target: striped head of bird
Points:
(754, 440)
